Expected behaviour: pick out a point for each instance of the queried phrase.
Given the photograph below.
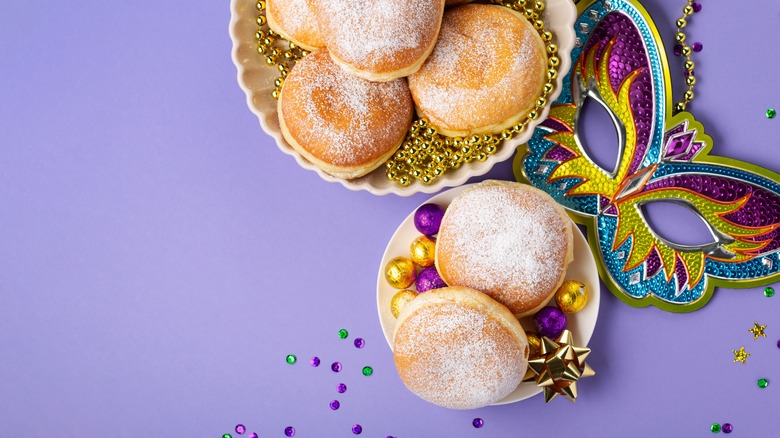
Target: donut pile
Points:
(467, 69)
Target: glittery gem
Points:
(367, 371)
(767, 262)
(715, 428)
(240, 429)
(335, 405)
(621, 255)
(342, 388)
(291, 359)
(343, 333)
(762, 383)
(335, 366)
(727, 428)
(254, 435)
(359, 343)
(584, 27)
(769, 292)
(758, 330)
(315, 361)
(289, 431)
(594, 15)
(771, 113)
(542, 169)
(634, 278)
(607, 4)
(357, 429)
(697, 47)
(577, 42)
(227, 435)
(740, 355)
(478, 423)
(696, 7)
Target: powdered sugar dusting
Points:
(356, 120)
(297, 19)
(366, 33)
(458, 356)
(486, 67)
(507, 242)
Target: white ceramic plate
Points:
(582, 268)
(257, 81)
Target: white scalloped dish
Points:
(257, 81)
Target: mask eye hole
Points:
(598, 136)
(677, 223)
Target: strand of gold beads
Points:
(685, 51)
(271, 44)
(426, 155)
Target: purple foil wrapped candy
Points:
(550, 322)
(428, 279)
(427, 219)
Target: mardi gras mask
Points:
(620, 64)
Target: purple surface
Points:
(159, 257)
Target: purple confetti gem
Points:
(359, 343)
(478, 423)
(336, 367)
(342, 388)
(289, 431)
(696, 7)
(335, 405)
(677, 50)
(427, 219)
(254, 435)
(697, 47)
(429, 279)
(550, 322)
(315, 361)
(240, 429)
(727, 428)
(778, 343)
(357, 429)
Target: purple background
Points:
(159, 256)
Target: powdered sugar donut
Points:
(345, 125)
(485, 73)
(458, 348)
(379, 40)
(509, 240)
(295, 21)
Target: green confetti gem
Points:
(227, 435)
(769, 292)
(715, 428)
(771, 113)
(762, 383)
(291, 359)
(367, 371)
(343, 333)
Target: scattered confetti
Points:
(335, 405)
(478, 423)
(357, 429)
(227, 435)
(778, 343)
(762, 383)
(367, 371)
(696, 7)
(727, 428)
(342, 388)
(289, 431)
(740, 355)
(336, 367)
(240, 429)
(715, 428)
(697, 47)
(291, 359)
(343, 334)
(315, 361)
(757, 330)
(769, 292)
(254, 435)
(360, 343)
(771, 113)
